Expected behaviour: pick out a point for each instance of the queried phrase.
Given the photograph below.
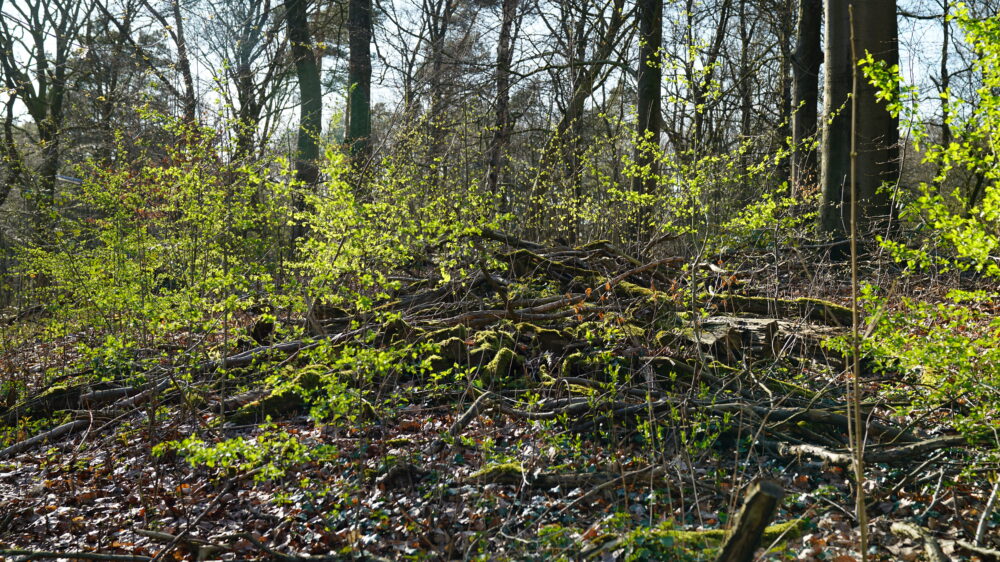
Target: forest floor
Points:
(575, 404)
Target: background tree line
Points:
(540, 103)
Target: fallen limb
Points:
(984, 520)
(888, 455)
(508, 239)
(45, 554)
(203, 547)
(987, 552)
(97, 398)
(514, 474)
(673, 262)
(49, 435)
(477, 318)
(461, 423)
(931, 545)
(816, 310)
(247, 358)
(876, 429)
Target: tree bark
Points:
(359, 79)
(877, 130)
(184, 65)
(310, 94)
(502, 125)
(762, 500)
(648, 104)
(805, 94)
(439, 14)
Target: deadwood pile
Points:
(586, 343)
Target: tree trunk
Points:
(11, 157)
(786, 29)
(310, 94)
(805, 93)
(359, 79)
(648, 105)
(184, 65)
(502, 131)
(701, 80)
(945, 80)
(176, 31)
(877, 131)
(439, 14)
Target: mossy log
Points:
(280, 403)
(52, 400)
(817, 310)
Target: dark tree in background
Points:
(877, 131)
(310, 91)
(37, 39)
(509, 27)
(246, 48)
(648, 100)
(806, 62)
(359, 79)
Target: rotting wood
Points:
(989, 553)
(48, 436)
(931, 545)
(762, 499)
(45, 554)
(816, 310)
(887, 455)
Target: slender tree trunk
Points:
(359, 79)
(440, 13)
(310, 93)
(11, 157)
(805, 94)
(189, 102)
(648, 104)
(564, 143)
(877, 130)
(745, 86)
(648, 90)
(945, 75)
(48, 139)
(785, 31)
(184, 65)
(502, 126)
(701, 81)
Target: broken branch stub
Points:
(761, 502)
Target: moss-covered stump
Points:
(544, 339)
(502, 367)
(582, 364)
(669, 544)
(506, 473)
(714, 537)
